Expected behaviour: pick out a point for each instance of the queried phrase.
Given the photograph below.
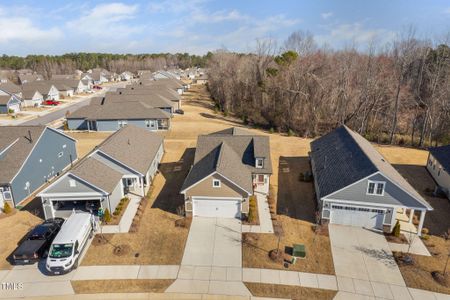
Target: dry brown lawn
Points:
(13, 228)
(403, 155)
(290, 292)
(86, 141)
(121, 286)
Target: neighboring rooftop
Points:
(10, 87)
(442, 154)
(343, 157)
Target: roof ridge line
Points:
(349, 131)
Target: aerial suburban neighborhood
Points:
(225, 150)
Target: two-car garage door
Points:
(357, 216)
(216, 207)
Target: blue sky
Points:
(198, 26)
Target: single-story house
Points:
(64, 90)
(32, 98)
(10, 88)
(229, 166)
(125, 163)
(29, 157)
(9, 103)
(202, 79)
(160, 91)
(126, 76)
(113, 116)
(355, 185)
(153, 100)
(74, 85)
(165, 75)
(98, 77)
(27, 78)
(439, 167)
(45, 87)
(165, 83)
(63, 76)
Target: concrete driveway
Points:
(363, 255)
(213, 242)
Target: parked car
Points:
(67, 246)
(37, 242)
(97, 87)
(51, 102)
(179, 111)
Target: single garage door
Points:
(212, 207)
(357, 216)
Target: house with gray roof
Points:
(32, 98)
(174, 84)
(160, 91)
(229, 166)
(45, 87)
(122, 165)
(10, 88)
(9, 103)
(153, 100)
(30, 156)
(438, 165)
(355, 185)
(27, 78)
(112, 116)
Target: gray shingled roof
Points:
(153, 100)
(133, 146)
(42, 86)
(10, 87)
(442, 154)
(343, 157)
(230, 152)
(97, 174)
(4, 99)
(118, 111)
(150, 90)
(20, 146)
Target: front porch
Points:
(133, 185)
(405, 216)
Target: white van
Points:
(68, 243)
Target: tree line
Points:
(399, 94)
(47, 65)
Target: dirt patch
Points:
(290, 292)
(13, 228)
(394, 239)
(121, 286)
(121, 250)
(256, 248)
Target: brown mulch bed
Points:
(398, 240)
(256, 221)
(115, 220)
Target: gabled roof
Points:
(68, 83)
(343, 157)
(231, 153)
(4, 99)
(15, 146)
(42, 86)
(442, 155)
(10, 87)
(30, 77)
(136, 89)
(118, 111)
(127, 145)
(153, 100)
(90, 169)
(29, 94)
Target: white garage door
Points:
(357, 216)
(212, 207)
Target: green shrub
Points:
(271, 130)
(10, 111)
(116, 213)
(290, 132)
(7, 208)
(396, 230)
(107, 216)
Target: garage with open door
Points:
(357, 216)
(216, 207)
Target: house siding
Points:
(36, 172)
(77, 124)
(63, 186)
(358, 193)
(443, 179)
(116, 195)
(3, 109)
(205, 188)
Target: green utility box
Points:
(299, 251)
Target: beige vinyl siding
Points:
(205, 188)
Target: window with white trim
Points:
(259, 163)
(122, 123)
(376, 188)
(216, 183)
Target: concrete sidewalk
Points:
(265, 220)
(127, 217)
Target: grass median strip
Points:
(121, 286)
(289, 292)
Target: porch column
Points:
(422, 219)
(141, 180)
(411, 216)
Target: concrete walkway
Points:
(127, 217)
(265, 221)
(171, 296)
(417, 246)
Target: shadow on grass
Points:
(35, 207)
(220, 117)
(295, 198)
(169, 199)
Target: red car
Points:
(97, 87)
(51, 102)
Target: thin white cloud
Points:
(110, 20)
(326, 15)
(20, 29)
(354, 33)
(201, 16)
(174, 6)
